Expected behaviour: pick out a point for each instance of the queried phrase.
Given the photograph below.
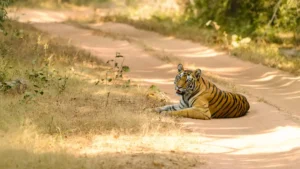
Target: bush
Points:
(3, 13)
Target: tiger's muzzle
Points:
(180, 90)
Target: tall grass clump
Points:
(49, 84)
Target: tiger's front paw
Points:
(164, 113)
(157, 110)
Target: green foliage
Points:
(3, 13)
(247, 17)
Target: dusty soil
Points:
(267, 137)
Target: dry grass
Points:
(85, 95)
(267, 55)
(59, 128)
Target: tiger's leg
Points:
(193, 112)
(199, 110)
(173, 107)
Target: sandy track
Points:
(266, 138)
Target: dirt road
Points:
(268, 137)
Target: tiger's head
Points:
(185, 80)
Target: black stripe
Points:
(173, 108)
(213, 90)
(244, 107)
(232, 108)
(215, 95)
(192, 103)
(195, 92)
(181, 104)
(204, 83)
(219, 96)
(230, 103)
(222, 104)
(239, 110)
(220, 100)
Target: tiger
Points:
(201, 99)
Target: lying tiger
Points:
(201, 99)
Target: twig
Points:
(107, 99)
(106, 104)
(274, 14)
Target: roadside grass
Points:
(269, 55)
(56, 100)
(59, 79)
(257, 51)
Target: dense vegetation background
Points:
(248, 18)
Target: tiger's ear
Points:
(198, 73)
(180, 67)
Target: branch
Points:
(275, 12)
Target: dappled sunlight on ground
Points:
(220, 70)
(266, 78)
(165, 66)
(277, 140)
(39, 16)
(200, 54)
(280, 139)
(155, 81)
